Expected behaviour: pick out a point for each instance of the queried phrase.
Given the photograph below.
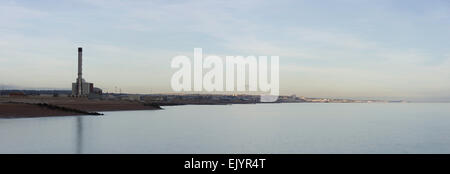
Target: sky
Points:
(376, 49)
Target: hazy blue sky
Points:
(346, 48)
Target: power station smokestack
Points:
(80, 70)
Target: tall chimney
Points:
(80, 70)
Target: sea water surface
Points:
(249, 128)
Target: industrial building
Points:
(81, 88)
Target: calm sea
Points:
(262, 128)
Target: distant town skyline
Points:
(378, 49)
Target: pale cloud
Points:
(322, 51)
(393, 77)
(12, 15)
(341, 40)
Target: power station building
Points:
(81, 88)
(86, 88)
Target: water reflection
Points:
(79, 135)
(271, 128)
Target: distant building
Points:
(97, 90)
(86, 88)
(80, 87)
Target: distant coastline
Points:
(32, 103)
